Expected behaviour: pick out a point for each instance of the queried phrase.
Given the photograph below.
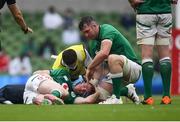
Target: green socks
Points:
(147, 73)
(165, 70)
(117, 87)
(124, 91)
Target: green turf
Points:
(91, 112)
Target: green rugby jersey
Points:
(120, 44)
(62, 76)
(154, 7)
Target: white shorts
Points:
(154, 29)
(131, 71)
(29, 96)
(104, 94)
(31, 87)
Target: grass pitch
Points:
(93, 112)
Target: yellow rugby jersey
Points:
(81, 65)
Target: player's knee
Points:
(111, 58)
(115, 59)
(147, 51)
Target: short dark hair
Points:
(69, 56)
(85, 20)
(90, 91)
(93, 90)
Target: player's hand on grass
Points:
(135, 3)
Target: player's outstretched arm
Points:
(19, 18)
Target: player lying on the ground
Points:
(42, 88)
(13, 94)
(61, 76)
(105, 89)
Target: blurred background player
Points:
(115, 48)
(52, 20)
(153, 26)
(75, 58)
(16, 12)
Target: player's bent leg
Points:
(51, 87)
(115, 63)
(131, 71)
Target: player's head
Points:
(82, 88)
(89, 27)
(69, 59)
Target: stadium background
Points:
(105, 11)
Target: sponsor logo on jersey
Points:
(73, 94)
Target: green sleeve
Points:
(70, 99)
(108, 35)
(60, 75)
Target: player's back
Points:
(36, 79)
(154, 7)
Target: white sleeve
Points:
(88, 59)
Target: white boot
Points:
(132, 95)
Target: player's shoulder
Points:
(105, 28)
(62, 70)
(107, 31)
